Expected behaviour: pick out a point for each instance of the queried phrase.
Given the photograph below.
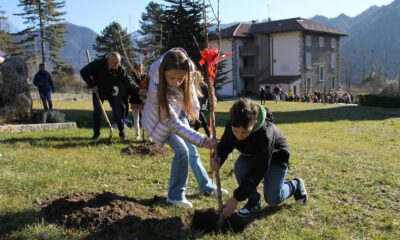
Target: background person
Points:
(44, 83)
(109, 79)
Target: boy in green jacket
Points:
(264, 154)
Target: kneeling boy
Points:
(264, 154)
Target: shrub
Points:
(379, 101)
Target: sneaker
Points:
(95, 137)
(183, 202)
(249, 208)
(214, 192)
(300, 195)
(123, 138)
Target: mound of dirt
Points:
(106, 214)
(96, 211)
(146, 148)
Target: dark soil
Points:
(206, 220)
(145, 148)
(106, 215)
(96, 211)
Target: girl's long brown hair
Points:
(175, 60)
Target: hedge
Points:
(378, 101)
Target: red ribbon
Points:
(211, 57)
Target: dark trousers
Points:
(203, 122)
(118, 110)
(45, 96)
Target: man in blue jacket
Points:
(44, 83)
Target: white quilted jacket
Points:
(160, 130)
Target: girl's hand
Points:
(209, 143)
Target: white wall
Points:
(286, 53)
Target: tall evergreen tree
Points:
(221, 78)
(6, 40)
(44, 24)
(182, 20)
(55, 31)
(115, 39)
(151, 31)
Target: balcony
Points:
(247, 72)
(248, 50)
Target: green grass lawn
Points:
(348, 156)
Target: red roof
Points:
(237, 30)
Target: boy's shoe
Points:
(95, 137)
(300, 195)
(183, 202)
(249, 209)
(214, 192)
(123, 138)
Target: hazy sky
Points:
(97, 14)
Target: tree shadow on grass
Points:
(13, 222)
(84, 118)
(58, 142)
(350, 113)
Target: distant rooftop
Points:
(285, 25)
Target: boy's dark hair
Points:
(243, 113)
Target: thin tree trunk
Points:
(41, 30)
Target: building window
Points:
(321, 73)
(321, 41)
(308, 84)
(308, 40)
(294, 90)
(308, 60)
(333, 83)
(333, 60)
(333, 43)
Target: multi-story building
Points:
(297, 54)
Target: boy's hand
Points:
(229, 208)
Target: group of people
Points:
(171, 102)
(275, 94)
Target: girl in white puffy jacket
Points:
(170, 104)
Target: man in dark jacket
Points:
(44, 83)
(203, 100)
(264, 154)
(109, 79)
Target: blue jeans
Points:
(45, 96)
(276, 189)
(185, 154)
(118, 110)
